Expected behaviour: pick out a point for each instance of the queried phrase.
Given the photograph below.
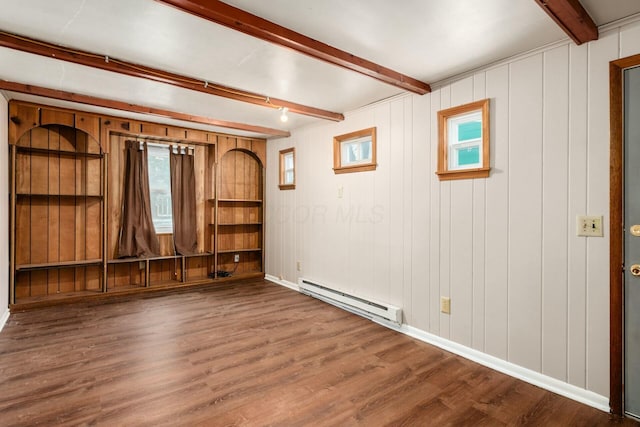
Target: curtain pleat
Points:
(183, 197)
(137, 235)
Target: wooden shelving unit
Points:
(239, 208)
(67, 170)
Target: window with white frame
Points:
(465, 141)
(287, 169)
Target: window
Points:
(160, 188)
(463, 146)
(287, 169)
(355, 151)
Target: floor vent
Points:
(370, 309)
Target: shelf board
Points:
(58, 152)
(61, 264)
(197, 255)
(156, 258)
(257, 201)
(231, 251)
(231, 224)
(92, 196)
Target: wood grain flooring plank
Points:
(248, 354)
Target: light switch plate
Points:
(445, 305)
(589, 226)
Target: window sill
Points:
(463, 174)
(287, 186)
(358, 168)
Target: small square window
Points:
(287, 169)
(463, 147)
(355, 151)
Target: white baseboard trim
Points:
(543, 381)
(4, 318)
(282, 282)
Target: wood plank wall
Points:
(524, 288)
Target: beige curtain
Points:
(183, 198)
(137, 235)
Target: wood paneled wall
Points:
(523, 287)
(66, 230)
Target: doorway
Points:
(625, 237)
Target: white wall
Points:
(523, 287)
(4, 211)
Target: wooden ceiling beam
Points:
(133, 108)
(237, 19)
(104, 62)
(572, 18)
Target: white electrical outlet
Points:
(445, 305)
(299, 266)
(236, 258)
(589, 226)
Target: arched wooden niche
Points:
(240, 175)
(58, 212)
(24, 117)
(57, 159)
(240, 213)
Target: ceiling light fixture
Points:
(283, 116)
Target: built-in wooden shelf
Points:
(231, 251)
(231, 224)
(257, 201)
(94, 196)
(58, 152)
(156, 258)
(60, 264)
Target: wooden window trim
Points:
(443, 172)
(282, 185)
(338, 166)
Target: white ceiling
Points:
(426, 39)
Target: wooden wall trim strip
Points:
(133, 108)
(245, 22)
(115, 65)
(616, 230)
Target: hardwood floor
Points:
(251, 354)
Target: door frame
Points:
(616, 232)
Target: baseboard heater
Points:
(371, 309)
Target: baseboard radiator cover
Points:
(373, 310)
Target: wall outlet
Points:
(589, 226)
(445, 305)
(236, 258)
(298, 266)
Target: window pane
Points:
(356, 151)
(288, 161)
(288, 177)
(469, 130)
(469, 156)
(160, 188)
